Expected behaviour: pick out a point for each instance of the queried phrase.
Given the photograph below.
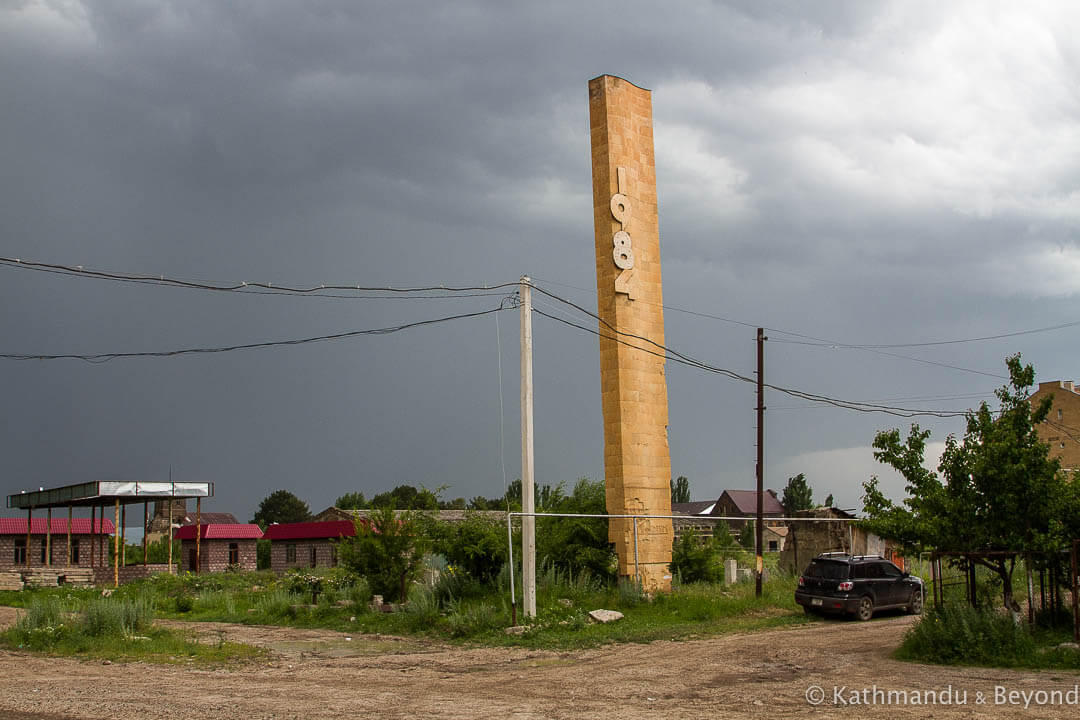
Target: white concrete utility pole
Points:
(528, 505)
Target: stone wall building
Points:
(1061, 429)
(89, 542)
(220, 545)
(304, 545)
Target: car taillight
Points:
(845, 585)
(802, 581)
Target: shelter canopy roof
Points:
(107, 492)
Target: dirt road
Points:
(320, 674)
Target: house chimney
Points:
(1068, 385)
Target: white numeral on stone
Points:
(622, 251)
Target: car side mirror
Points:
(905, 574)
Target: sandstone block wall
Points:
(637, 463)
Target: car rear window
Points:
(828, 569)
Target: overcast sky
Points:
(865, 173)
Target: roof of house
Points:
(210, 518)
(697, 507)
(310, 530)
(220, 531)
(79, 526)
(745, 502)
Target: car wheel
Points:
(916, 604)
(866, 608)
(807, 611)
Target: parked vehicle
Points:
(857, 585)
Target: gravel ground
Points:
(315, 674)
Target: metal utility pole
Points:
(528, 522)
(758, 531)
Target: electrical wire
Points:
(822, 342)
(105, 357)
(253, 288)
(669, 354)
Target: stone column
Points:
(637, 463)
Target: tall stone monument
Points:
(637, 462)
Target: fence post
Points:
(1075, 591)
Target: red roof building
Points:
(220, 531)
(221, 546)
(310, 544)
(48, 542)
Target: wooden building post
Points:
(69, 536)
(198, 534)
(29, 520)
(116, 545)
(48, 537)
(145, 530)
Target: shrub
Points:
(578, 544)
(476, 545)
(473, 619)
(116, 616)
(696, 559)
(387, 550)
(962, 635)
(41, 613)
(422, 609)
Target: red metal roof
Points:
(220, 531)
(310, 530)
(79, 526)
(746, 502)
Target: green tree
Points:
(747, 538)
(351, 501)
(281, 506)
(407, 497)
(997, 489)
(797, 495)
(680, 489)
(476, 545)
(387, 550)
(696, 559)
(578, 544)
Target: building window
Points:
(20, 551)
(44, 545)
(314, 556)
(1059, 414)
(290, 553)
(234, 553)
(74, 551)
(772, 546)
(333, 555)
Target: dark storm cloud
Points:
(854, 171)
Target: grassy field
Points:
(455, 610)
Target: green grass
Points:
(458, 610)
(961, 635)
(118, 629)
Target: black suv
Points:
(857, 585)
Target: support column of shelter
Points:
(48, 537)
(29, 520)
(198, 534)
(637, 462)
(145, 530)
(122, 531)
(69, 535)
(116, 544)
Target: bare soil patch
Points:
(324, 674)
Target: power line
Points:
(854, 346)
(105, 357)
(252, 288)
(670, 354)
